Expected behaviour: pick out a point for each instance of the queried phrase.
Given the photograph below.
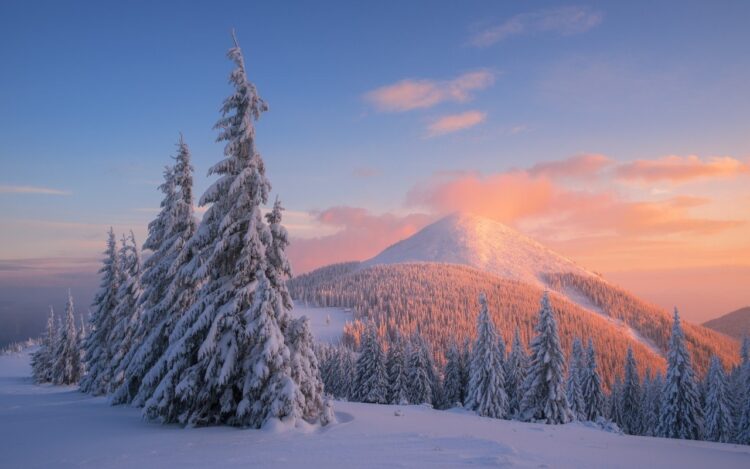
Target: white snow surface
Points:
(48, 426)
(482, 243)
(322, 331)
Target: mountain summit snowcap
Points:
(479, 242)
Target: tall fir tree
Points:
(515, 373)
(453, 383)
(396, 367)
(371, 383)
(544, 389)
(593, 395)
(630, 397)
(418, 375)
(742, 413)
(681, 415)
(486, 393)
(719, 424)
(98, 349)
(127, 314)
(43, 360)
(309, 400)
(67, 369)
(159, 304)
(573, 389)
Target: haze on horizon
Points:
(614, 134)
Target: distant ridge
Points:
(735, 324)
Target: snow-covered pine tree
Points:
(719, 424)
(436, 397)
(127, 313)
(371, 384)
(652, 401)
(544, 389)
(742, 413)
(345, 377)
(630, 398)
(614, 403)
(465, 364)
(309, 401)
(515, 373)
(593, 395)
(67, 369)
(681, 415)
(573, 385)
(97, 347)
(82, 333)
(420, 384)
(42, 362)
(228, 359)
(155, 280)
(171, 290)
(452, 383)
(396, 367)
(486, 393)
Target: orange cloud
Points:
(576, 166)
(362, 235)
(407, 95)
(455, 122)
(681, 169)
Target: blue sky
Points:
(93, 95)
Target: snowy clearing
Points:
(46, 426)
(323, 331)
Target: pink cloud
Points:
(576, 166)
(362, 235)
(455, 122)
(409, 94)
(6, 189)
(681, 169)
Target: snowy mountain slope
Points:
(432, 294)
(482, 243)
(47, 426)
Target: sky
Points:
(614, 132)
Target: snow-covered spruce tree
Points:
(157, 370)
(396, 367)
(436, 398)
(743, 401)
(309, 400)
(486, 393)
(371, 383)
(42, 362)
(67, 369)
(82, 333)
(652, 401)
(127, 314)
(228, 358)
(420, 384)
(544, 389)
(97, 347)
(614, 402)
(719, 424)
(515, 373)
(681, 415)
(453, 391)
(345, 372)
(573, 385)
(630, 398)
(593, 395)
(167, 290)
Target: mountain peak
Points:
(480, 242)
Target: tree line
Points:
(541, 385)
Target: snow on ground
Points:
(46, 426)
(323, 330)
